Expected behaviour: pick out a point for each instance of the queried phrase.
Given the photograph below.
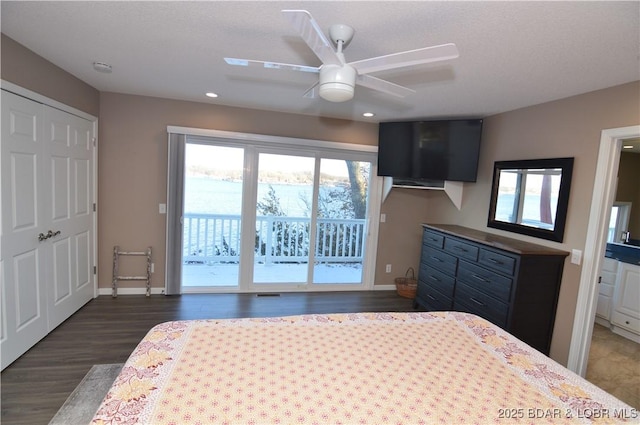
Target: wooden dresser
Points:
(513, 284)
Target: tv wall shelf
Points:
(452, 189)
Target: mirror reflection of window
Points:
(528, 197)
(507, 205)
(531, 197)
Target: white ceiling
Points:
(512, 54)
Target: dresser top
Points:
(496, 241)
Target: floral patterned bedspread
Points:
(378, 368)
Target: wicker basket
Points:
(407, 285)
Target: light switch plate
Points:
(576, 256)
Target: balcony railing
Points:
(215, 238)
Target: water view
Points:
(283, 241)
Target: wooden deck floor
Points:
(106, 330)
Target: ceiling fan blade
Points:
(383, 86)
(408, 58)
(271, 65)
(312, 34)
(312, 92)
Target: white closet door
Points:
(24, 295)
(46, 166)
(68, 197)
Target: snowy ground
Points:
(226, 274)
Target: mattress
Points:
(365, 368)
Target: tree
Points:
(270, 204)
(343, 201)
(288, 239)
(358, 179)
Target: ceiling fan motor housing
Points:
(337, 82)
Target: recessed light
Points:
(211, 94)
(368, 114)
(627, 147)
(102, 67)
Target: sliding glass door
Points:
(213, 187)
(341, 225)
(283, 218)
(261, 218)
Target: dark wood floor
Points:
(106, 330)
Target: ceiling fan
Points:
(338, 77)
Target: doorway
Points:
(614, 354)
(264, 218)
(597, 231)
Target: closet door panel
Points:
(62, 278)
(27, 286)
(23, 183)
(67, 138)
(24, 256)
(82, 194)
(59, 188)
(83, 260)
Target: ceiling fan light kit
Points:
(337, 83)
(337, 77)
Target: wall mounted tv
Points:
(430, 150)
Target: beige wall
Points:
(567, 127)
(629, 189)
(24, 68)
(132, 164)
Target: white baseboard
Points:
(618, 330)
(131, 291)
(160, 291)
(384, 287)
(625, 333)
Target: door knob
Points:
(50, 234)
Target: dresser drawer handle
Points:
(480, 278)
(433, 239)
(494, 261)
(430, 297)
(476, 301)
(459, 248)
(436, 258)
(434, 278)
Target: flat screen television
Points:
(430, 150)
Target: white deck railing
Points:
(215, 238)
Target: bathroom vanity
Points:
(618, 305)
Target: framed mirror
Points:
(531, 197)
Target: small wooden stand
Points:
(116, 255)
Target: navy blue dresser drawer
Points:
(432, 239)
(461, 249)
(433, 299)
(440, 260)
(499, 262)
(436, 279)
(476, 302)
(486, 281)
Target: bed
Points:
(378, 368)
